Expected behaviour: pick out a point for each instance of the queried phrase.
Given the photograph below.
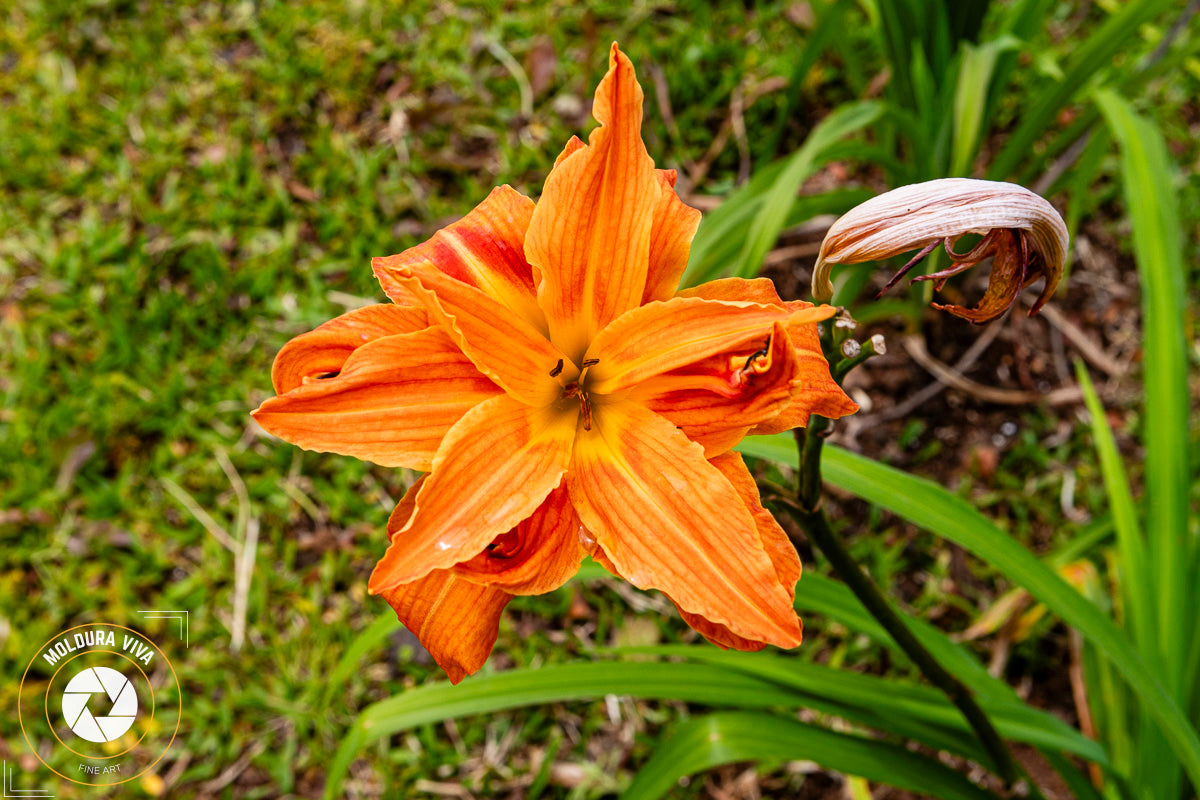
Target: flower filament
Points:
(575, 389)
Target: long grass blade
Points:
(1174, 601)
(1158, 245)
(693, 683)
(372, 637)
(893, 700)
(777, 202)
(974, 77)
(933, 508)
(1134, 577)
(1097, 51)
(730, 736)
(904, 716)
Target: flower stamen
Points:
(320, 376)
(585, 410)
(558, 368)
(757, 354)
(572, 391)
(912, 262)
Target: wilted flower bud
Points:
(1022, 232)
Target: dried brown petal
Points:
(1022, 232)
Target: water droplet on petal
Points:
(586, 539)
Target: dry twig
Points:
(700, 169)
(245, 556)
(1091, 352)
(977, 349)
(915, 347)
(187, 501)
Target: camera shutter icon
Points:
(119, 692)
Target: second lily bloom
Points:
(1022, 233)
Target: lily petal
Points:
(485, 250)
(669, 520)
(403, 511)
(393, 401)
(325, 349)
(814, 391)
(666, 335)
(505, 347)
(493, 469)
(744, 290)
(456, 620)
(779, 548)
(675, 224)
(537, 556)
(590, 234)
(1010, 274)
(573, 144)
(715, 402)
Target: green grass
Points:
(183, 189)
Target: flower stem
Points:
(807, 511)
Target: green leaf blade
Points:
(932, 507)
(434, 702)
(726, 737)
(767, 201)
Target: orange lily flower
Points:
(538, 363)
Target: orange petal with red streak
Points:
(537, 556)
(669, 520)
(664, 336)
(393, 402)
(814, 391)
(485, 250)
(716, 401)
(325, 349)
(504, 346)
(456, 620)
(494, 468)
(589, 238)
